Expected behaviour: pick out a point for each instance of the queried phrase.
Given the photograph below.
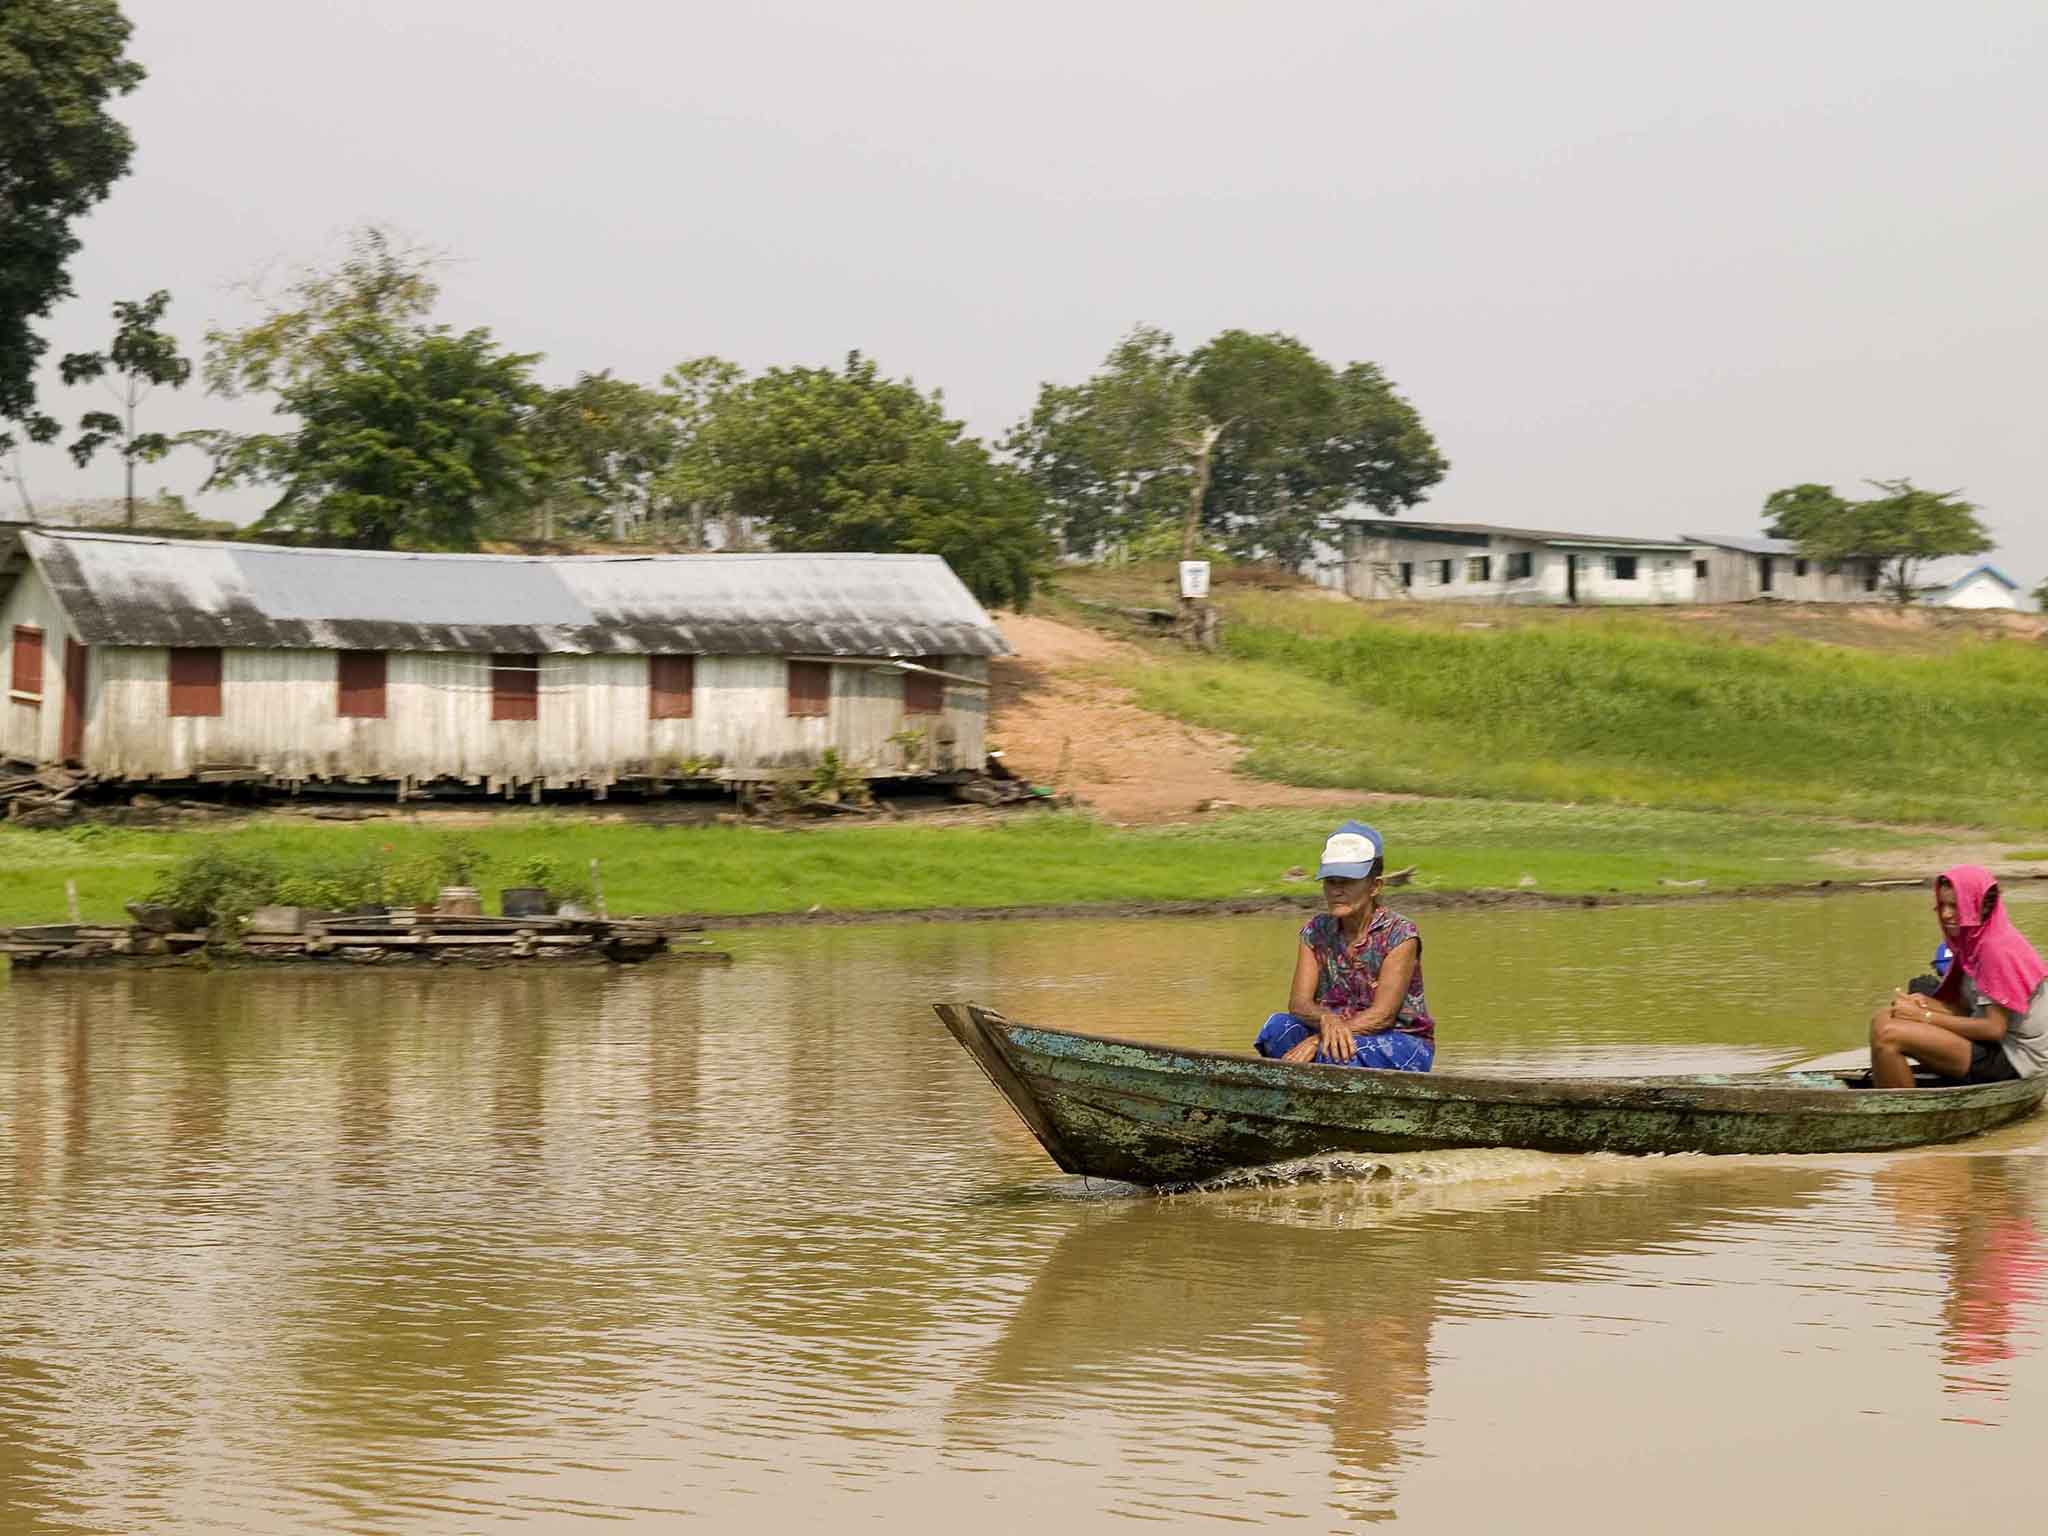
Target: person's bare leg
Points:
(1895, 1044)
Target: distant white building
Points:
(1479, 562)
(1738, 570)
(1984, 587)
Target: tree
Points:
(1110, 456)
(60, 64)
(697, 390)
(1901, 529)
(602, 445)
(141, 358)
(1252, 437)
(849, 460)
(2041, 597)
(407, 434)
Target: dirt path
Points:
(1127, 763)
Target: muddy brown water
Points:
(426, 1252)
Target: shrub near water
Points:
(223, 882)
(1624, 709)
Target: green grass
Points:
(1620, 708)
(1034, 859)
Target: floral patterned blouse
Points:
(1348, 975)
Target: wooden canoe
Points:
(1150, 1114)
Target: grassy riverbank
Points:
(1868, 716)
(1026, 860)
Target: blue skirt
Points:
(1391, 1050)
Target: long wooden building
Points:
(164, 660)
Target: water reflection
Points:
(426, 1251)
(1983, 1218)
(1315, 1307)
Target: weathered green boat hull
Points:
(1148, 1114)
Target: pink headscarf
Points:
(1994, 955)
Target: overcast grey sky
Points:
(1637, 263)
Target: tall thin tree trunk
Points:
(20, 484)
(1205, 452)
(128, 455)
(1197, 626)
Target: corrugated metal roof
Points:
(123, 590)
(1746, 546)
(1399, 527)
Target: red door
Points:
(72, 749)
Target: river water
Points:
(376, 1251)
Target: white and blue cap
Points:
(1350, 852)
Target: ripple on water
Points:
(442, 1252)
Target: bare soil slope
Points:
(1058, 721)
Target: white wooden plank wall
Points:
(33, 732)
(278, 716)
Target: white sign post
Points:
(1194, 578)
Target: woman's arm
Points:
(1301, 996)
(1391, 990)
(1989, 1027)
(1334, 1035)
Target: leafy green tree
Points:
(142, 358)
(1251, 437)
(1902, 528)
(602, 446)
(405, 433)
(1114, 455)
(697, 389)
(60, 152)
(826, 459)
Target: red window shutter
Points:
(671, 687)
(28, 660)
(195, 681)
(810, 688)
(359, 678)
(924, 694)
(515, 687)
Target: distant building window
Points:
(671, 687)
(1798, 567)
(195, 682)
(28, 661)
(515, 687)
(1621, 567)
(1479, 568)
(1699, 570)
(1441, 571)
(1521, 566)
(924, 694)
(810, 688)
(1766, 573)
(1407, 573)
(359, 685)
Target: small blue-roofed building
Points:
(1982, 586)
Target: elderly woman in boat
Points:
(1356, 1000)
(1988, 1021)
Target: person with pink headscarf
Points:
(1988, 1022)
